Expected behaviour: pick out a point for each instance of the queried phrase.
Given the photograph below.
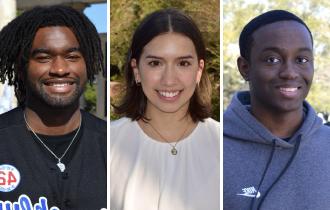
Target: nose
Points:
(59, 67)
(169, 76)
(289, 71)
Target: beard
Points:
(39, 92)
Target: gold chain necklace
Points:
(174, 151)
(59, 164)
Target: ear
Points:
(243, 67)
(201, 65)
(136, 72)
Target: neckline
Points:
(147, 138)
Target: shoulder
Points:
(324, 130)
(123, 128)
(94, 123)
(11, 118)
(120, 123)
(211, 126)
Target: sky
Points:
(97, 13)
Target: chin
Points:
(172, 109)
(289, 107)
(60, 101)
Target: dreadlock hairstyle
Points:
(16, 40)
(134, 102)
(246, 38)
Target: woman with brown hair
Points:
(165, 150)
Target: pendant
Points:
(174, 151)
(61, 166)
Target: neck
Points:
(54, 121)
(172, 126)
(158, 117)
(282, 125)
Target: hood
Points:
(241, 125)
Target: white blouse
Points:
(144, 175)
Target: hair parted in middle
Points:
(134, 102)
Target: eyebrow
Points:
(181, 57)
(47, 51)
(276, 49)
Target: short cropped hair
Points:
(163, 21)
(246, 39)
(17, 37)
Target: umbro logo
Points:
(250, 192)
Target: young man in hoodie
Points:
(276, 152)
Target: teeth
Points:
(288, 89)
(59, 84)
(168, 94)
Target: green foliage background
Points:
(90, 98)
(316, 13)
(126, 15)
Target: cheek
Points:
(35, 70)
(149, 78)
(263, 75)
(189, 80)
(308, 76)
(79, 69)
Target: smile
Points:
(169, 94)
(289, 89)
(289, 92)
(59, 84)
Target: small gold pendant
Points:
(174, 151)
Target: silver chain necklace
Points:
(59, 164)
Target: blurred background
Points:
(94, 98)
(316, 14)
(126, 15)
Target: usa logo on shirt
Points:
(9, 178)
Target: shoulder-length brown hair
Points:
(134, 102)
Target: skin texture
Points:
(169, 71)
(57, 70)
(56, 77)
(280, 73)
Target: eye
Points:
(154, 63)
(73, 57)
(184, 63)
(302, 60)
(272, 60)
(42, 58)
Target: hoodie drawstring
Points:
(265, 171)
(296, 148)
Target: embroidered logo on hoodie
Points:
(250, 192)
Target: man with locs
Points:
(276, 152)
(52, 154)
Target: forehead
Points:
(287, 35)
(54, 37)
(171, 43)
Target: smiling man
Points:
(275, 146)
(52, 154)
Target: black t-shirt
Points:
(58, 144)
(30, 177)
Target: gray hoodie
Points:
(262, 171)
